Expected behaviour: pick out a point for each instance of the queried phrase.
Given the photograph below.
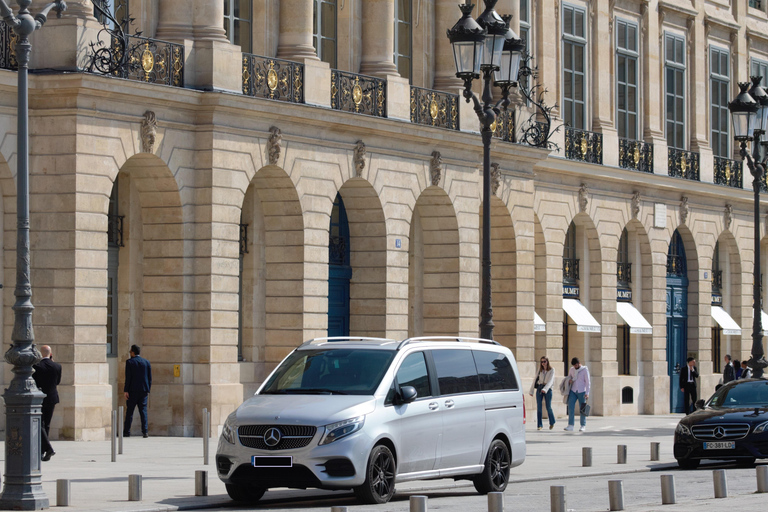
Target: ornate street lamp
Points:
(22, 489)
(489, 46)
(748, 113)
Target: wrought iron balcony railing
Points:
(675, 265)
(146, 60)
(360, 94)
(115, 230)
(683, 164)
(570, 270)
(504, 126)
(275, 79)
(434, 108)
(8, 40)
(717, 280)
(728, 172)
(636, 155)
(623, 273)
(583, 145)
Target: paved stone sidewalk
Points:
(168, 464)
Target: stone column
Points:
(446, 15)
(296, 30)
(378, 38)
(174, 20)
(209, 20)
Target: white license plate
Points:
(720, 445)
(271, 462)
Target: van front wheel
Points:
(245, 493)
(379, 485)
(495, 474)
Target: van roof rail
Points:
(460, 339)
(338, 339)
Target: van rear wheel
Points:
(379, 485)
(495, 474)
(245, 493)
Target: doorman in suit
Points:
(688, 376)
(138, 381)
(47, 376)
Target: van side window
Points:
(456, 371)
(495, 371)
(413, 372)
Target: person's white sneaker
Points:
(582, 429)
(569, 428)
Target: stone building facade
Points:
(218, 226)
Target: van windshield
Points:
(330, 371)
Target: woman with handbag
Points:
(578, 377)
(542, 386)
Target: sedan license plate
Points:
(720, 445)
(272, 462)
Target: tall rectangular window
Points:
(759, 68)
(237, 23)
(719, 86)
(574, 66)
(118, 9)
(324, 22)
(404, 38)
(674, 71)
(626, 79)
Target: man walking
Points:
(688, 376)
(138, 381)
(729, 373)
(47, 376)
(578, 377)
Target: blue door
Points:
(677, 320)
(339, 271)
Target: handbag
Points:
(585, 408)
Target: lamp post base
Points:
(757, 366)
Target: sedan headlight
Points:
(760, 428)
(336, 431)
(683, 430)
(229, 432)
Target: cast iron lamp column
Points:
(748, 113)
(490, 46)
(23, 482)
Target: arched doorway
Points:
(677, 319)
(339, 270)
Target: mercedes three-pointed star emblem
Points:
(272, 436)
(719, 432)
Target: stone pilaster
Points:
(378, 38)
(446, 15)
(296, 30)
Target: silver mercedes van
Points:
(366, 413)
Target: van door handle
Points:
(449, 403)
(433, 406)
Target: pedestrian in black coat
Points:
(138, 382)
(47, 376)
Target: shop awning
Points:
(634, 319)
(729, 325)
(538, 323)
(583, 319)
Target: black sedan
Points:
(731, 425)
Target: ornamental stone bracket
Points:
(495, 177)
(436, 168)
(148, 132)
(683, 210)
(274, 145)
(583, 198)
(636, 205)
(359, 158)
(728, 216)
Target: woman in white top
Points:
(542, 386)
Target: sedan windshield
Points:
(330, 371)
(741, 394)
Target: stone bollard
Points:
(586, 456)
(762, 479)
(62, 493)
(557, 498)
(495, 502)
(418, 504)
(338, 509)
(113, 436)
(134, 487)
(721, 484)
(616, 494)
(668, 490)
(621, 454)
(201, 483)
(655, 451)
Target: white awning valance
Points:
(637, 323)
(583, 319)
(724, 320)
(538, 323)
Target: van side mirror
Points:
(699, 404)
(408, 394)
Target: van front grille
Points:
(287, 437)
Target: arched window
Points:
(570, 261)
(339, 271)
(676, 264)
(404, 38)
(324, 23)
(238, 16)
(623, 266)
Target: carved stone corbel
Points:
(683, 210)
(495, 177)
(436, 168)
(359, 158)
(274, 145)
(728, 216)
(583, 198)
(148, 132)
(636, 205)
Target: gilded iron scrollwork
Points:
(275, 79)
(683, 164)
(8, 40)
(728, 172)
(434, 108)
(583, 145)
(360, 94)
(636, 155)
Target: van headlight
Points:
(683, 430)
(336, 431)
(760, 428)
(229, 432)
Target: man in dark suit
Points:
(47, 376)
(138, 381)
(688, 376)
